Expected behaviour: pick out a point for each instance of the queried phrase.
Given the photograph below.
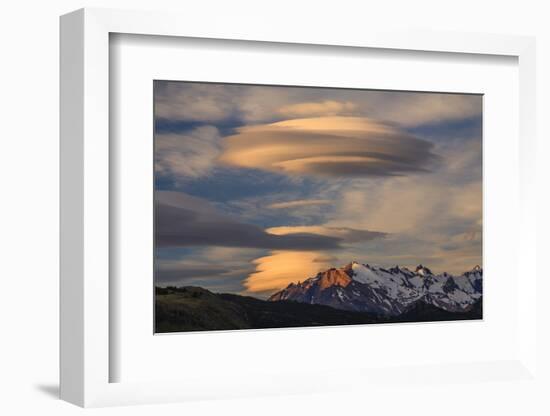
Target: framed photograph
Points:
(265, 195)
(238, 206)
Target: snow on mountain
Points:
(367, 288)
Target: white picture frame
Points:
(85, 200)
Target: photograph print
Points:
(287, 206)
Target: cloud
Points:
(221, 269)
(208, 102)
(325, 259)
(183, 221)
(433, 219)
(451, 196)
(322, 108)
(187, 155)
(212, 279)
(211, 103)
(328, 146)
(410, 109)
(347, 235)
(176, 272)
(277, 270)
(191, 101)
(299, 203)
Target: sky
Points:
(260, 186)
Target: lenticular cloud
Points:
(328, 146)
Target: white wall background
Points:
(29, 208)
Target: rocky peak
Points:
(334, 277)
(394, 270)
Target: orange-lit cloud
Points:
(280, 268)
(328, 146)
(299, 203)
(349, 235)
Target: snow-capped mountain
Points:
(365, 288)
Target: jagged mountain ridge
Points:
(389, 292)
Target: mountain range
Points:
(388, 292)
(353, 294)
